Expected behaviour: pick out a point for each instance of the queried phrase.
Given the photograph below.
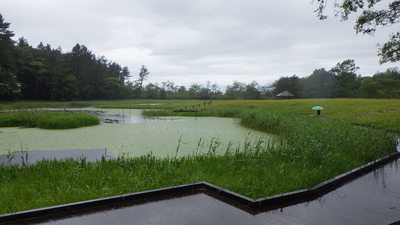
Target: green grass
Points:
(381, 119)
(309, 150)
(47, 120)
(348, 110)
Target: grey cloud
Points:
(195, 41)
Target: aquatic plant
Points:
(47, 120)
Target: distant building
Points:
(285, 95)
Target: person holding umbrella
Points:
(318, 109)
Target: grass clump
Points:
(47, 120)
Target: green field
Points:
(376, 112)
(308, 151)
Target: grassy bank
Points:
(47, 120)
(309, 151)
(374, 112)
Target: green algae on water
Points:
(196, 135)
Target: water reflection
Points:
(117, 116)
(398, 144)
(123, 119)
(373, 198)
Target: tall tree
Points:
(82, 64)
(320, 84)
(371, 17)
(252, 91)
(124, 75)
(235, 91)
(348, 82)
(143, 74)
(291, 84)
(9, 86)
(152, 91)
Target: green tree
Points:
(151, 91)
(382, 85)
(9, 85)
(181, 92)
(371, 17)
(143, 74)
(252, 91)
(348, 82)
(204, 93)
(82, 65)
(291, 84)
(49, 74)
(235, 91)
(193, 91)
(320, 84)
(168, 89)
(124, 75)
(215, 92)
(113, 87)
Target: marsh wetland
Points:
(127, 132)
(255, 148)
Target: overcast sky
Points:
(188, 41)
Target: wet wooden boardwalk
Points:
(370, 199)
(373, 198)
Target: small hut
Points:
(285, 95)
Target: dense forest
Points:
(49, 74)
(46, 73)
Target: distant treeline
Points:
(45, 73)
(339, 82)
(342, 81)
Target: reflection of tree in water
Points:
(380, 174)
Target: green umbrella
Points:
(317, 108)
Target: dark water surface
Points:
(373, 198)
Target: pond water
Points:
(135, 135)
